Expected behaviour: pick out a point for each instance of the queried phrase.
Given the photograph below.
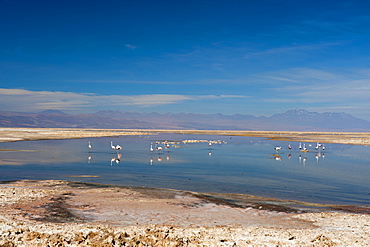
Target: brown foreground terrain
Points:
(61, 213)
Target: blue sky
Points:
(248, 57)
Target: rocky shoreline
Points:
(61, 213)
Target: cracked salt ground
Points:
(205, 223)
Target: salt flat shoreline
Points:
(62, 213)
(24, 134)
(41, 213)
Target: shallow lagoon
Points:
(245, 165)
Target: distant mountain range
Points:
(293, 120)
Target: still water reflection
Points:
(332, 173)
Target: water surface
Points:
(243, 165)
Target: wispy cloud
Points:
(320, 90)
(306, 76)
(25, 100)
(313, 85)
(131, 47)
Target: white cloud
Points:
(33, 101)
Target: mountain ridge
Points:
(293, 120)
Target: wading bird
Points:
(112, 146)
(117, 147)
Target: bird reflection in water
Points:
(276, 157)
(116, 159)
(319, 155)
(302, 159)
(158, 159)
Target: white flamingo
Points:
(112, 146)
(118, 147)
(89, 146)
(166, 145)
(300, 146)
(151, 147)
(317, 146)
(277, 148)
(290, 147)
(158, 148)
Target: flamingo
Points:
(112, 146)
(290, 147)
(118, 147)
(317, 146)
(300, 145)
(322, 147)
(166, 145)
(158, 148)
(151, 147)
(277, 148)
(304, 147)
(89, 146)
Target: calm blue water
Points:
(340, 174)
